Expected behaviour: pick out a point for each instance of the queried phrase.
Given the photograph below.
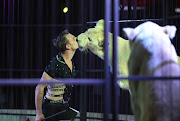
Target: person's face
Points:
(72, 42)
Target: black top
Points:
(57, 68)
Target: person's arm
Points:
(39, 92)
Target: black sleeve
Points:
(51, 68)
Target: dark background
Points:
(28, 26)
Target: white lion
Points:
(93, 39)
(153, 54)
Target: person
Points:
(57, 96)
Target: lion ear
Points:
(170, 31)
(100, 25)
(129, 33)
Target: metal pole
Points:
(106, 59)
(115, 59)
(164, 11)
(83, 88)
(129, 9)
(134, 9)
(153, 9)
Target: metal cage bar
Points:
(106, 59)
(115, 59)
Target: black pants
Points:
(49, 109)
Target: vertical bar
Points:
(10, 41)
(39, 44)
(164, 11)
(129, 9)
(4, 38)
(82, 20)
(115, 59)
(134, 12)
(83, 107)
(134, 9)
(145, 7)
(13, 11)
(91, 11)
(83, 90)
(25, 52)
(25, 37)
(10, 50)
(9, 11)
(67, 18)
(19, 50)
(18, 13)
(122, 16)
(153, 9)
(53, 21)
(4, 12)
(106, 59)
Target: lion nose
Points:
(89, 39)
(77, 40)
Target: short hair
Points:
(61, 41)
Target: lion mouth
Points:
(101, 44)
(82, 48)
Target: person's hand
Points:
(39, 117)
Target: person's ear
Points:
(67, 46)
